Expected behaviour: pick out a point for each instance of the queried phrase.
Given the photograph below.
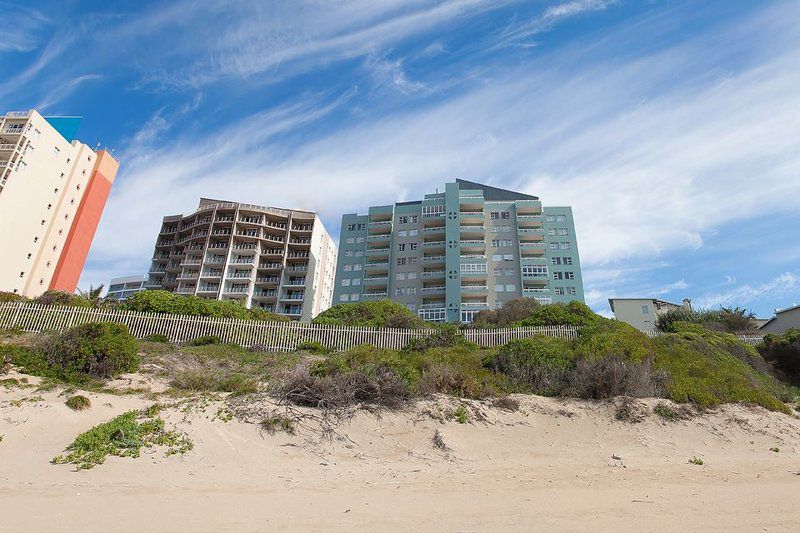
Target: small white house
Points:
(642, 313)
(784, 319)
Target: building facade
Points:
(783, 320)
(53, 189)
(280, 260)
(121, 288)
(642, 313)
(470, 248)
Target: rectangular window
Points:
(645, 309)
(344, 298)
(348, 253)
(550, 218)
(499, 288)
(400, 276)
(412, 275)
(359, 253)
(567, 260)
(345, 283)
(498, 272)
(506, 215)
(556, 260)
(359, 239)
(413, 232)
(554, 246)
(402, 220)
(349, 240)
(355, 297)
(494, 215)
(402, 233)
(495, 243)
(563, 232)
(348, 268)
(509, 271)
(497, 257)
(511, 288)
(401, 247)
(551, 231)
(356, 281)
(357, 267)
(413, 246)
(401, 261)
(559, 291)
(561, 218)
(569, 275)
(412, 260)
(571, 290)
(565, 246)
(398, 291)
(558, 275)
(508, 257)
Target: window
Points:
(402, 233)
(561, 218)
(355, 297)
(509, 271)
(556, 260)
(411, 290)
(567, 260)
(348, 253)
(494, 215)
(563, 231)
(413, 232)
(499, 288)
(346, 282)
(398, 291)
(473, 267)
(412, 260)
(401, 261)
(356, 281)
(645, 309)
(534, 271)
(359, 240)
(550, 218)
(56, 151)
(344, 297)
(558, 291)
(432, 210)
(505, 215)
(401, 247)
(558, 275)
(497, 257)
(551, 231)
(413, 246)
(412, 275)
(400, 276)
(508, 257)
(348, 268)
(565, 246)
(357, 267)
(511, 288)
(359, 253)
(571, 290)
(498, 272)
(349, 240)
(569, 275)
(554, 246)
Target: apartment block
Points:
(470, 248)
(122, 288)
(53, 189)
(280, 260)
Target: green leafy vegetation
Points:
(123, 436)
(78, 403)
(572, 314)
(273, 424)
(731, 320)
(157, 337)
(63, 298)
(176, 304)
(461, 414)
(380, 314)
(199, 380)
(783, 350)
(205, 340)
(671, 414)
(696, 461)
(511, 312)
(313, 347)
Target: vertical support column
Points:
(452, 231)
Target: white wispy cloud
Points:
(642, 167)
(63, 90)
(743, 295)
(20, 28)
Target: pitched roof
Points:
(494, 193)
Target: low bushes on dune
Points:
(380, 314)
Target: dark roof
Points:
(494, 193)
(413, 202)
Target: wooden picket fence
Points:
(39, 318)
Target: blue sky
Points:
(672, 127)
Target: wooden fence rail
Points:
(266, 335)
(33, 317)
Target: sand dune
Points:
(549, 466)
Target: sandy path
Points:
(531, 470)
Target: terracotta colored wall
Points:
(84, 226)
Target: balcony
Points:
(535, 291)
(473, 230)
(433, 274)
(433, 244)
(474, 305)
(211, 274)
(374, 295)
(433, 259)
(298, 268)
(377, 280)
(474, 288)
(541, 261)
(267, 279)
(376, 267)
(439, 289)
(265, 294)
(433, 230)
(239, 275)
(373, 252)
(208, 288)
(244, 261)
(293, 296)
(302, 227)
(269, 266)
(379, 238)
(532, 248)
(530, 231)
(235, 290)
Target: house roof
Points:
(654, 300)
(494, 193)
(778, 312)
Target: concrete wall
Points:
(783, 321)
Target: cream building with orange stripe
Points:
(52, 193)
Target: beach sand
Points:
(549, 466)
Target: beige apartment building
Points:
(280, 260)
(52, 192)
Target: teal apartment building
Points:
(470, 248)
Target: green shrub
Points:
(457, 371)
(11, 297)
(703, 370)
(611, 376)
(731, 320)
(444, 336)
(63, 298)
(572, 314)
(461, 414)
(205, 340)
(515, 310)
(783, 350)
(97, 349)
(78, 403)
(123, 436)
(604, 337)
(157, 337)
(539, 364)
(313, 347)
(380, 314)
(369, 360)
(273, 424)
(206, 380)
(176, 304)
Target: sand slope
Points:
(547, 467)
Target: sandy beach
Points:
(551, 465)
